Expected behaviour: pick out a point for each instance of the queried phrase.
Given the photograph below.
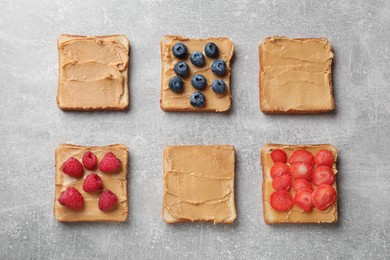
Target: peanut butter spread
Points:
(93, 72)
(295, 75)
(115, 182)
(295, 215)
(171, 101)
(199, 184)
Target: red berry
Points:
(92, 183)
(302, 184)
(282, 182)
(279, 156)
(324, 157)
(304, 200)
(281, 200)
(107, 200)
(323, 175)
(324, 196)
(89, 160)
(301, 170)
(71, 198)
(279, 169)
(73, 167)
(301, 156)
(110, 163)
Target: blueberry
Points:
(182, 69)
(197, 58)
(218, 86)
(179, 50)
(176, 84)
(211, 50)
(218, 67)
(198, 81)
(197, 99)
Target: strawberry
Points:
(71, 198)
(301, 156)
(278, 155)
(324, 196)
(279, 169)
(92, 183)
(109, 163)
(301, 170)
(281, 200)
(107, 200)
(282, 182)
(324, 157)
(323, 175)
(302, 184)
(303, 199)
(89, 160)
(73, 168)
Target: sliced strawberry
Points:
(279, 169)
(301, 156)
(301, 170)
(281, 200)
(303, 199)
(302, 184)
(323, 175)
(278, 155)
(282, 182)
(324, 196)
(324, 157)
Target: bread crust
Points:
(126, 43)
(290, 111)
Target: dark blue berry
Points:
(211, 50)
(179, 50)
(219, 67)
(218, 86)
(176, 84)
(197, 99)
(197, 58)
(182, 69)
(198, 81)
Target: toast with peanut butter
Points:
(93, 72)
(199, 184)
(299, 183)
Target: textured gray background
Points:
(31, 126)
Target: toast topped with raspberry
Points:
(299, 183)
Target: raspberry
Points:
(324, 157)
(301, 170)
(323, 175)
(282, 182)
(281, 200)
(324, 196)
(279, 156)
(73, 167)
(302, 184)
(71, 198)
(109, 163)
(279, 169)
(303, 199)
(89, 160)
(301, 156)
(92, 183)
(107, 200)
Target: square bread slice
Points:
(295, 75)
(199, 184)
(115, 182)
(295, 215)
(172, 101)
(93, 72)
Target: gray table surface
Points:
(31, 126)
